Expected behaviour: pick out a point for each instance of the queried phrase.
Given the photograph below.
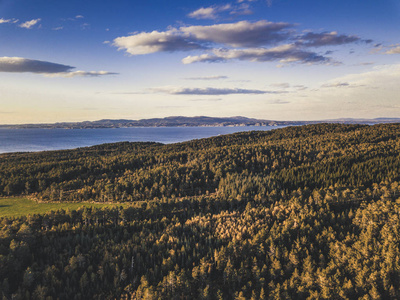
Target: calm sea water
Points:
(23, 140)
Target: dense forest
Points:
(307, 212)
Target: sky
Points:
(68, 61)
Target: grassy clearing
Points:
(16, 207)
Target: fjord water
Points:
(28, 140)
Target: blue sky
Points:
(277, 59)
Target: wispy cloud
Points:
(216, 77)
(80, 74)
(341, 85)
(395, 49)
(24, 65)
(312, 39)
(30, 24)
(286, 85)
(3, 21)
(300, 87)
(336, 85)
(282, 85)
(77, 17)
(210, 91)
(214, 12)
(279, 101)
(207, 100)
(209, 12)
(285, 54)
(359, 91)
(243, 9)
(365, 64)
(85, 26)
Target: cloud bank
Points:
(260, 41)
(24, 65)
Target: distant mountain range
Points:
(180, 121)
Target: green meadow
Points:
(16, 207)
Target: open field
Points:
(16, 207)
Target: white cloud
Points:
(80, 74)
(3, 21)
(240, 34)
(202, 58)
(285, 54)
(209, 12)
(367, 94)
(155, 41)
(394, 50)
(30, 24)
(379, 77)
(209, 91)
(79, 17)
(243, 9)
(260, 41)
(49, 69)
(212, 12)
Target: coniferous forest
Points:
(308, 212)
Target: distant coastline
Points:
(201, 121)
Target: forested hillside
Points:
(242, 165)
(307, 212)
